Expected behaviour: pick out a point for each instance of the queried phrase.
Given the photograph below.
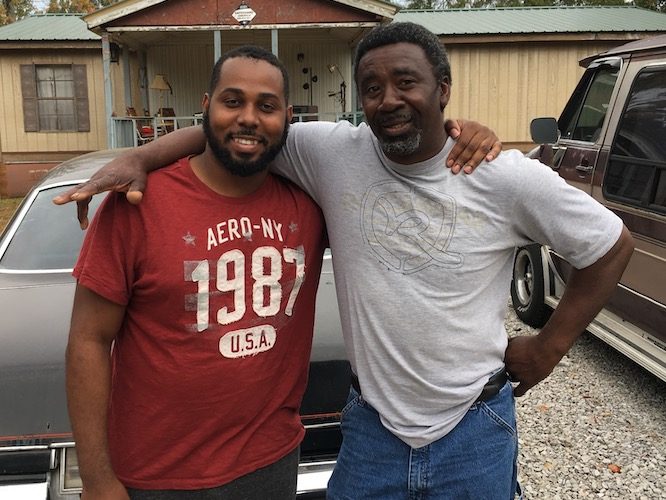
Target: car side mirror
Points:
(544, 131)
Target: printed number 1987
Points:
(261, 281)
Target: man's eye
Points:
(268, 108)
(371, 89)
(232, 103)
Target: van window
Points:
(583, 116)
(636, 172)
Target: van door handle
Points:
(584, 169)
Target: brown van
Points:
(610, 141)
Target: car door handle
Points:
(584, 169)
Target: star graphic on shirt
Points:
(189, 239)
(293, 227)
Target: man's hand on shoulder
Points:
(127, 172)
(124, 174)
(474, 143)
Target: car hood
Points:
(35, 311)
(33, 337)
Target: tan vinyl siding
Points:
(187, 68)
(504, 86)
(13, 137)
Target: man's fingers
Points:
(466, 155)
(495, 150)
(134, 197)
(66, 197)
(471, 153)
(477, 154)
(82, 212)
(453, 127)
(83, 191)
(519, 391)
(135, 191)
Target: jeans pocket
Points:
(354, 399)
(501, 410)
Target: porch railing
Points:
(126, 129)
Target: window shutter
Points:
(29, 94)
(81, 95)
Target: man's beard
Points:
(242, 168)
(401, 146)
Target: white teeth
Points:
(248, 142)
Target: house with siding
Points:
(510, 65)
(67, 89)
(52, 100)
(156, 55)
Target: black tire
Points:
(527, 287)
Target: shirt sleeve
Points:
(550, 211)
(106, 264)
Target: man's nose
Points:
(391, 99)
(248, 116)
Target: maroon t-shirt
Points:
(210, 365)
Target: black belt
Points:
(491, 388)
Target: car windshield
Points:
(48, 236)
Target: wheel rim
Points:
(523, 277)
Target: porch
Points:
(126, 131)
(159, 55)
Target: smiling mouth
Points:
(246, 144)
(246, 141)
(396, 124)
(397, 128)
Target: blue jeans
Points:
(476, 460)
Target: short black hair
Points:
(249, 52)
(389, 34)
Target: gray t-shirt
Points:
(423, 262)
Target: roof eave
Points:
(378, 7)
(128, 7)
(117, 10)
(50, 44)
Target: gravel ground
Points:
(596, 428)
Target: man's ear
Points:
(290, 112)
(445, 93)
(205, 102)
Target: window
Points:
(583, 116)
(636, 172)
(47, 238)
(55, 98)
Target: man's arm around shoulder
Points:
(95, 322)
(529, 360)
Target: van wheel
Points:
(527, 293)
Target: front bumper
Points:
(58, 479)
(39, 471)
(313, 478)
(28, 491)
